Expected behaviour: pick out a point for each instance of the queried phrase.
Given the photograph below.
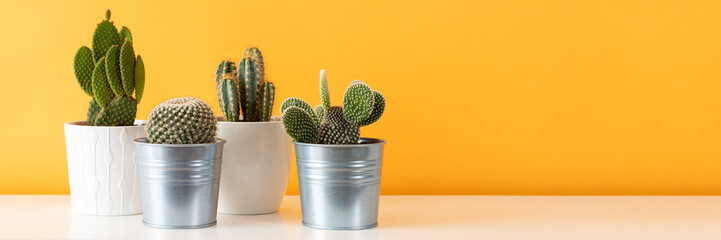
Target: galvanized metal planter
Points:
(340, 184)
(179, 183)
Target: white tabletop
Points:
(402, 217)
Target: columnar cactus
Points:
(110, 73)
(184, 120)
(332, 124)
(243, 89)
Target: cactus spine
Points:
(110, 74)
(243, 90)
(184, 120)
(333, 124)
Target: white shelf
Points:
(402, 217)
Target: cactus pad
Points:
(84, 66)
(93, 110)
(127, 67)
(324, 93)
(101, 88)
(119, 112)
(112, 69)
(300, 125)
(335, 129)
(105, 36)
(267, 99)
(184, 120)
(125, 34)
(379, 106)
(297, 102)
(357, 102)
(320, 113)
(139, 78)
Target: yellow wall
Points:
(484, 97)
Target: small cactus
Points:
(243, 90)
(184, 120)
(110, 74)
(332, 124)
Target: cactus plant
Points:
(110, 73)
(242, 90)
(328, 124)
(184, 120)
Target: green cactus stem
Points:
(83, 66)
(324, 92)
(127, 67)
(184, 120)
(335, 129)
(254, 97)
(249, 72)
(357, 102)
(300, 125)
(228, 91)
(267, 98)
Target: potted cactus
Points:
(339, 172)
(101, 167)
(179, 165)
(257, 155)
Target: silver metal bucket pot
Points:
(340, 184)
(179, 183)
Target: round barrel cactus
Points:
(185, 120)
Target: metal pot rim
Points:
(84, 123)
(144, 141)
(367, 142)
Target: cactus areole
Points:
(243, 91)
(111, 74)
(332, 124)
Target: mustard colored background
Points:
(483, 97)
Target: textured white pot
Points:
(256, 165)
(102, 168)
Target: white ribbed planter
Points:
(102, 168)
(256, 165)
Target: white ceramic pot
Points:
(256, 165)
(102, 168)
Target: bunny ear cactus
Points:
(184, 120)
(110, 73)
(333, 124)
(243, 90)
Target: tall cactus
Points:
(332, 124)
(110, 74)
(184, 120)
(243, 90)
